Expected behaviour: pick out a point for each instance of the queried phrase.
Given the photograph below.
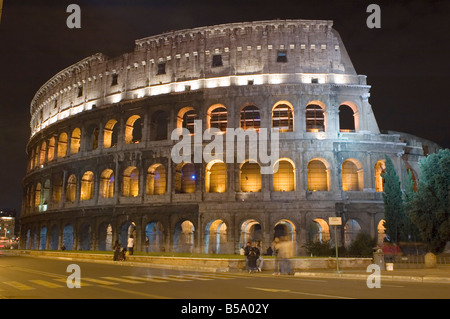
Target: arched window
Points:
(75, 141)
(318, 176)
(284, 178)
(250, 177)
(133, 130)
(110, 134)
(93, 133)
(217, 117)
(130, 185)
(156, 180)
(107, 183)
(87, 186)
(62, 145)
(352, 175)
(186, 118)
(283, 117)
(45, 195)
(351, 230)
(250, 118)
(380, 168)
(71, 188)
(37, 195)
(57, 188)
(315, 118)
(216, 177)
(185, 178)
(320, 231)
(42, 153)
(51, 149)
(346, 119)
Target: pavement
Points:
(439, 274)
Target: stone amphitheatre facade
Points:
(100, 165)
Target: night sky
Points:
(407, 60)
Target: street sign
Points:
(335, 221)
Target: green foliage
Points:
(429, 208)
(393, 204)
(318, 248)
(362, 246)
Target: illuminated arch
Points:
(348, 117)
(380, 168)
(130, 183)
(249, 117)
(110, 134)
(283, 116)
(87, 186)
(216, 177)
(351, 230)
(51, 149)
(215, 237)
(183, 240)
(156, 179)
(217, 117)
(71, 188)
(75, 141)
(352, 175)
(318, 175)
(186, 117)
(133, 130)
(320, 231)
(185, 178)
(315, 117)
(62, 145)
(284, 178)
(249, 177)
(107, 184)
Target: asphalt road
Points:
(39, 278)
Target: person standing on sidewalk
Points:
(130, 245)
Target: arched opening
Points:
(250, 177)
(283, 116)
(57, 188)
(217, 117)
(183, 239)
(133, 130)
(71, 188)
(216, 177)
(352, 175)
(156, 180)
(127, 230)
(318, 175)
(380, 168)
(85, 237)
(130, 185)
(37, 196)
(250, 118)
(285, 231)
(62, 145)
(87, 186)
(315, 117)
(185, 178)
(250, 231)
(215, 237)
(319, 231)
(351, 230)
(107, 184)
(186, 117)
(42, 153)
(346, 119)
(75, 141)
(68, 237)
(43, 238)
(154, 231)
(105, 237)
(284, 178)
(51, 149)
(110, 134)
(45, 196)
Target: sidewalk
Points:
(439, 274)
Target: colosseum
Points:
(100, 152)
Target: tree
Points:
(393, 203)
(429, 207)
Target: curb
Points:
(421, 279)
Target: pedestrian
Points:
(260, 260)
(276, 246)
(147, 244)
(285, 252)
(252, 258)
(246, 253)
(130, 245)
(116, 249)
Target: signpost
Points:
(335, 221)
